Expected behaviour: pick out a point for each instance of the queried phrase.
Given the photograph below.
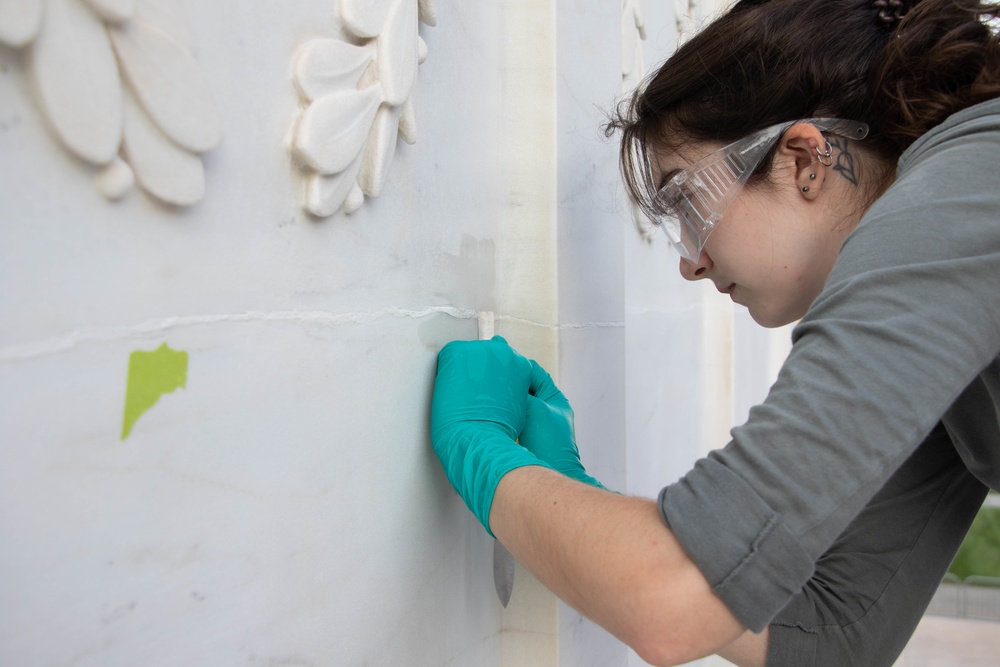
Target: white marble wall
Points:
(695, 362)
(283, 506)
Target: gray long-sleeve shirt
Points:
(906, 334)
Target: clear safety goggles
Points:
(693, 201)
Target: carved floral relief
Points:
(633, 32)
(633, 70)
(357, 100)
(120, 87)
(692, 15)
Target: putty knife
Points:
(503, 562)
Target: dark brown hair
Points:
(770, 61)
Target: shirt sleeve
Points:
(908, 318)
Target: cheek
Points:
(732, 246)
(747, 235)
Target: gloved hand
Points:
(478, 409)
(548, 429)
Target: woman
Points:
(829, 161)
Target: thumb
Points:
(541, 384)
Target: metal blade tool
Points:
(503, 561)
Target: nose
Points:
(696, 270)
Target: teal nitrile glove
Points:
(479, 404)
(548, 429)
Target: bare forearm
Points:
(613, 559)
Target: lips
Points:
(726, 290)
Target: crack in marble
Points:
(97, 334)
(561, 327)
(686, 309)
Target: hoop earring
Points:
(828, 155)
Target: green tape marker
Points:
(151, 375)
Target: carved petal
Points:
(114, 11)
(162, 168)
(169, 84)
(115, 179)
(333, 129)
(324, 66)
(354, 200)
(365, 18)
(380, 150)
(398, 51)
(168, 17)
(428, 14)
(77, 81)
(632, 76)
(630, 38)
(326, 194)
(408, 122)
(640, 22)
(20, 21)
(421, 50)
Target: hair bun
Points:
(890, 12)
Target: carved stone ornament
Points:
(633, 70)
(357, 101)
(684, 15)
(633, 32)
(693, 15)
(119, 84)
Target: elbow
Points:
(654, 653)
(662, 653)
(675, 633)
(667, 643)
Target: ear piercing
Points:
(828, 154)
(812, 177)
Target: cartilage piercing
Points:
(828, 155)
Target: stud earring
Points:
(812, 177)
(805, 188)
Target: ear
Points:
(801, 142)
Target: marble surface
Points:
(283, 505)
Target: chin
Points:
(770, 319)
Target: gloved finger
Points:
(535, 405)
(536, 418)
(542, 386)
(547, 433)
(541, 383)
(484, 381)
